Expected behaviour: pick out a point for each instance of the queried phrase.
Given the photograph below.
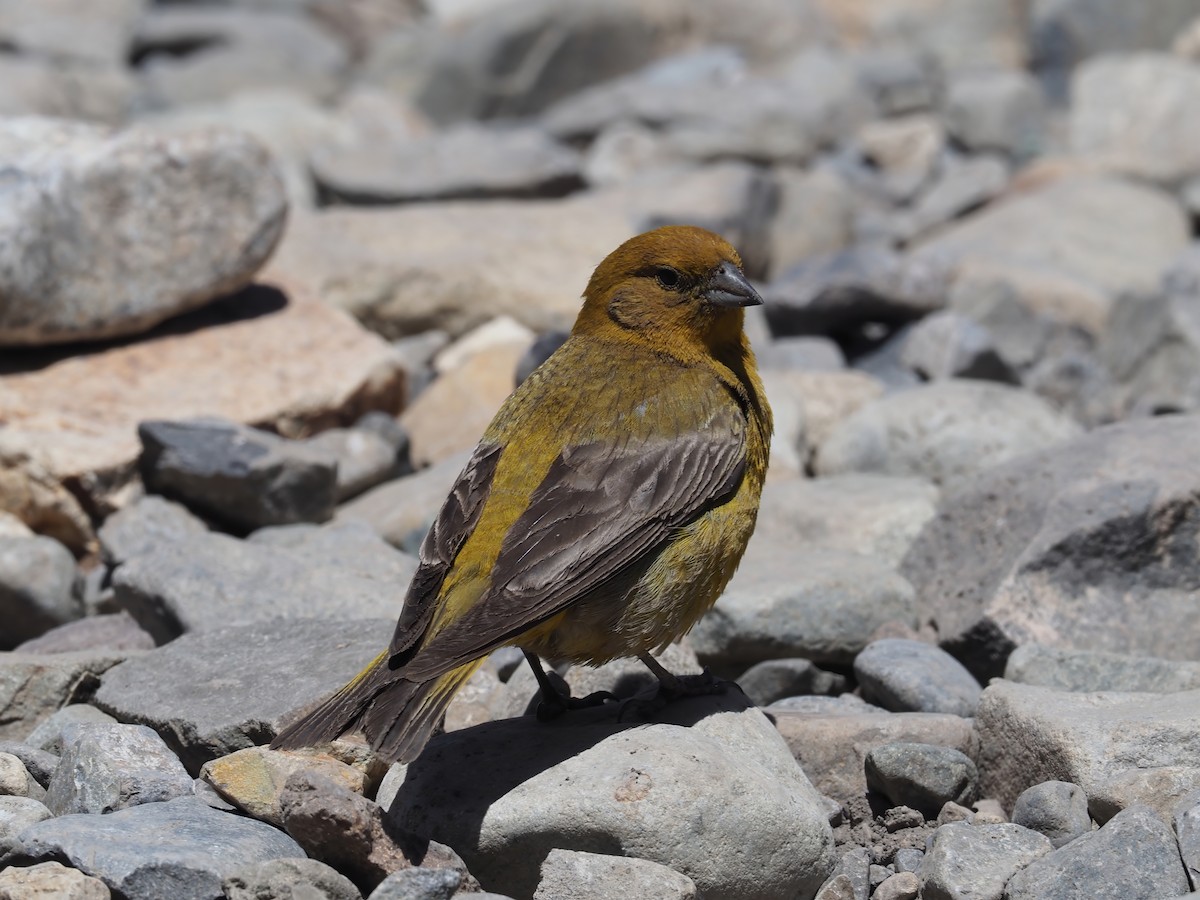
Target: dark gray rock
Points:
(923, 776)
(17, 813)
(243, 476)
(1081, 560)
(180, 849)
(145, 525)
(212, 693)
(910, 676)
(908, 859)
(1057, 809)
(576, 875)
(1186, 819)
(33, 686)
(289, 879)
(418, 884)
(112, 631)
(38, 763)
(37, 588)
(976, 861)
(1095, 670)
(215, 581)
(110, 767)
(950, 345)
(1134, 855)
(48, 735)
(773, 679)
(996, 109)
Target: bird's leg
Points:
(554, 704)
(671, 686)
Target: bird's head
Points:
(678, 286)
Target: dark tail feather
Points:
(397, 716)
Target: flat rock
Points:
(627, 787)
(575, 875)
(204, 693)
(35, 685)
(37, 588)
(1032, 734)
(198, 215)
(910, 676)
(1079, 520)
(110, 631)
(141, 526)
(76, 415)
(180, 848)
(976, 861)
(1094, 670)
(944, 431)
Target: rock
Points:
(1001, 110)
(627, 783)
(403, 270)
(907, 859)
(903, 151)
(1186, 819)
(1069, 247)
(32, 495)
(96, 33)
(15, 780)
(910, 676)
(115, 631)
(15, 814)
(48, 735)
(253, 779)
(180, 847)
(822, 605)
(34, 686)
(109, 767)
(214, 581)
(244, 476)
(977, 861)
(1078, 519)
(575, 875)
(788, 448)
(1033, 734)
(38, 763)
(212, 693)
(1097, 865)
(234, 49)
(827, 398)
(962, 186)
(945, 431)
(143, 526)
(813, 219)
(289, 879)
(348, 832)
(70, 89)
(922, 776)
(365, 455)
(900, 80)
(37, 588)
(831, 747)
(839, 887)
(420, 883)
(207, 209)
(796, 355)
(950, 345)
(901, 886)
(50, 881)
(773, 679)
(68, 419)
(1112, 122)
(464, 162)
(1160, 787)
(1095, 670)
(1057, 809)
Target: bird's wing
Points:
(601, 509)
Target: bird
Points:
(605, 508)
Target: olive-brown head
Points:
(678, 287)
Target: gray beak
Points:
(729, 287)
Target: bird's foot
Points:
(555, 705)
(693, 686)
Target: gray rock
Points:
(48, 735)
(950, 345)
(1079, 520)
(908, 859)
(576, 875)
(201, 211)
(204, 693)
(898, 886)
(37, 588)
(923, 776)
(841, 705)
(961, 187)
(911, 676)
(365, 457)
(65, 88)
(350, 545)
(629, 784)
(110, 767)
(839, 887)
(289, 879)
(1095, 670)
(15, 780)
(1134, 855)
(215, 581)
(113, 631)
(1186, 819)
(1057, 809)
(813, 354)
(1159, 787)
(466, 161)
(38, 763)
(976, 861)
(814, 217)
(946, 431)
(901, 80)
(93, 32)
(832, 746)
(34, 686)
(244, 476)
(180, 848)
(419, 884)
(16, 813)
(996, 109)
(821, 605)
(774, 679)
(143, 526)
(1033, 734)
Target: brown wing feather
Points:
(599, 510)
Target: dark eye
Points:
(667, 277)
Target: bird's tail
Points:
(397, 716)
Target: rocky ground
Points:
(268, 268)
